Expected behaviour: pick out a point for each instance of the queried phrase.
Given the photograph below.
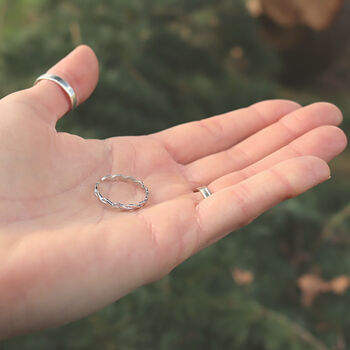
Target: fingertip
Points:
(280, 103)
(287, 103)
(298, 175)
(81, 69)
(89, 60)
(313, 170)
(326, 142)
(332, 140)
(342, 139)
(328, 111)
(276, 109)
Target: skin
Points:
(64, 254)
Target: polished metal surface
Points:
(129, 206)
(63, 84)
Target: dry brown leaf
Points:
(242, 277)
(340, 284)
(254, 7)
(323, 326)
(312, 285)
(316, 14)
(236, 52)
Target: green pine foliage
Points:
(164, 62)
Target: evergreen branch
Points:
(3, 10)
(335, 221)
(261, 313)
(301, 332)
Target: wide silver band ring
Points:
(63, 84)
(129, 206)
(204, 191)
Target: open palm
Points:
(64, 254)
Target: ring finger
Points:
(324, 142)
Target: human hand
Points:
(64, 254)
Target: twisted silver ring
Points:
(63, 84)
(129, 206)
(204, 191)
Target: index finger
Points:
(190, 141)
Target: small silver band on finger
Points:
(63, 84)
(204, 191)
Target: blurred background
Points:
(283, 282)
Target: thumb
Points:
(79, 69)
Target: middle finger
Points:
(262, 143)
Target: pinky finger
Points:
(237, 205)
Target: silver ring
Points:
(204, 191)
(63, 84)
(130, 206)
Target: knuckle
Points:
(211, 127)
(287, 189)
(242, 196)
